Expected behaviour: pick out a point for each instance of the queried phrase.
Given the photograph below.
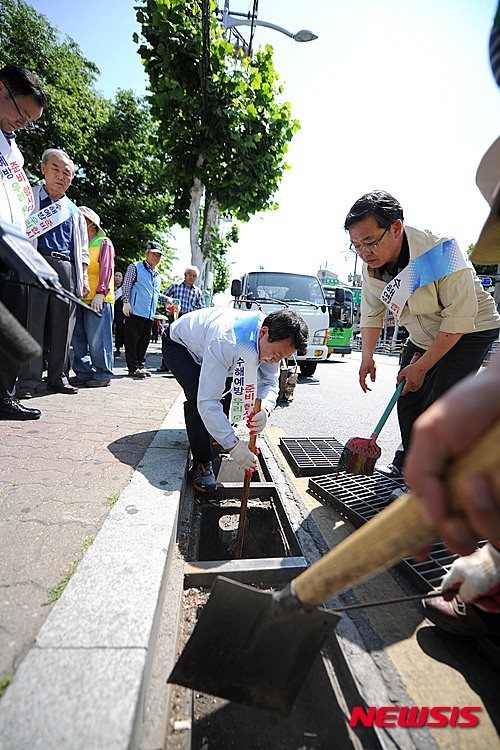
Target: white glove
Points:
(127, 309)
(257, 422)
(97, 302)
(479, 578)
(244, 456)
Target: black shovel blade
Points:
(252, 646)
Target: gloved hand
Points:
(478, 576)
(97, 302)
(257, 422)
(244, 456)
(127, 309)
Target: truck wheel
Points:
(308, 368)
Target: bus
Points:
(343, 304)
(341, 319)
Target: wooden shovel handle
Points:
(238, 547)
(395, 532)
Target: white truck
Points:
(274, 290)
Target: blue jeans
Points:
(93, 344)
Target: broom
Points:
(360, 454)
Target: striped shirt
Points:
(190, 297)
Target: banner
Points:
(15, 178)
(49, 217)
(244, 387)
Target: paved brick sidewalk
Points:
(58, 479)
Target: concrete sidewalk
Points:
(102, 469)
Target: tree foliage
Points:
(123, 175)
(221, 119)
(28, 39)
(119, 166)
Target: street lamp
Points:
(304, 35)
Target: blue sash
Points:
(441, 260)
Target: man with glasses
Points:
(22, 101)
(206, 347)
(431, 287)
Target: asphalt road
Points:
(332, 404)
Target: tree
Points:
(220, 246)
(118, 161)
(123, 175)
(28, 39)
(222, 125)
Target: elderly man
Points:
(206, 347)
(141, 288)
(58, 231)
(22, 101)
(431, 287)
(190, 298)
(93, 335)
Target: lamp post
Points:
(247, 19)
(304, 35)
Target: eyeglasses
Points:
(364, 246)
(28, 125)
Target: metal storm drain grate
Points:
(309, 457)
(359, 498)
(428, 574)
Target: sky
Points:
(394, 94)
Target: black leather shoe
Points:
(62, 389)
(162, 369)
(10, 408)
(390, 471)
(23, 393)
(78, 382)
(461, 619)
(97, 383)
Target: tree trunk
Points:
(210, 230)
(196, 192)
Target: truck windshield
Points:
(287, 287)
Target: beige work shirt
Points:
(456, 303)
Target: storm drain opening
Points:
(271, 553)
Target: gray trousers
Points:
(51, 322)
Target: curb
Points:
(81, 687)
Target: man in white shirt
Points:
(203, 349)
